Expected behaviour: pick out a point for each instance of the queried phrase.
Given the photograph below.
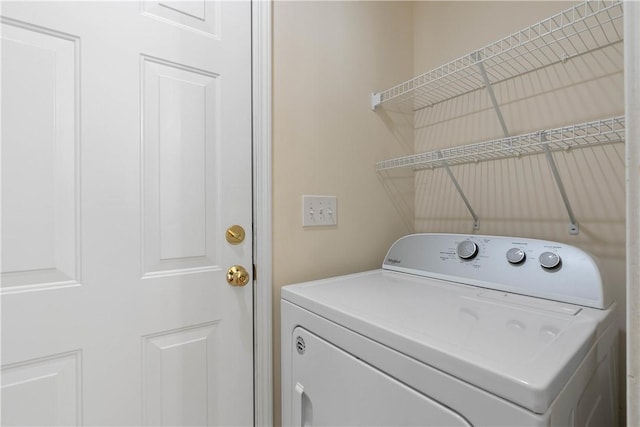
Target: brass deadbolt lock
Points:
(235, 234)
(237, 276)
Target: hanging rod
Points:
(583, 28)
(592, 133)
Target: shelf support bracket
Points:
(574, 229)
(483, 72)
(476, 220)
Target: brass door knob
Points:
(237, 276)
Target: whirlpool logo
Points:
(393, 261)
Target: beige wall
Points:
(328, 58)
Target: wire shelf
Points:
(598, 132)
(583, 28)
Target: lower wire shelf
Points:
(592, 133)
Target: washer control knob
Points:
(515, 255)
(467, 249)
(549, 260)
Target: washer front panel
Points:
(323, 374)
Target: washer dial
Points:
(549, 260)
(516, 256)
(467, 249)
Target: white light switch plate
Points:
(319, 211)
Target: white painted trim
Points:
(262, 228)
(632, 146)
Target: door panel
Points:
(33, 383)
(40, 197)
(180, 148)
(196, 15)
(175, 358)
(126, 142)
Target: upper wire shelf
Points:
(585, 27)
(565, 138)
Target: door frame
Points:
(261, 96)
(632, 157)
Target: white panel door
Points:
(126, 154)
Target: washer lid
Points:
(521, 348)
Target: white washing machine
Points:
(454, 331)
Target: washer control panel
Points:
(538, 268)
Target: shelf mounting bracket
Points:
(485, 77)
(376, 99)
(574, 229)
(476, 220)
